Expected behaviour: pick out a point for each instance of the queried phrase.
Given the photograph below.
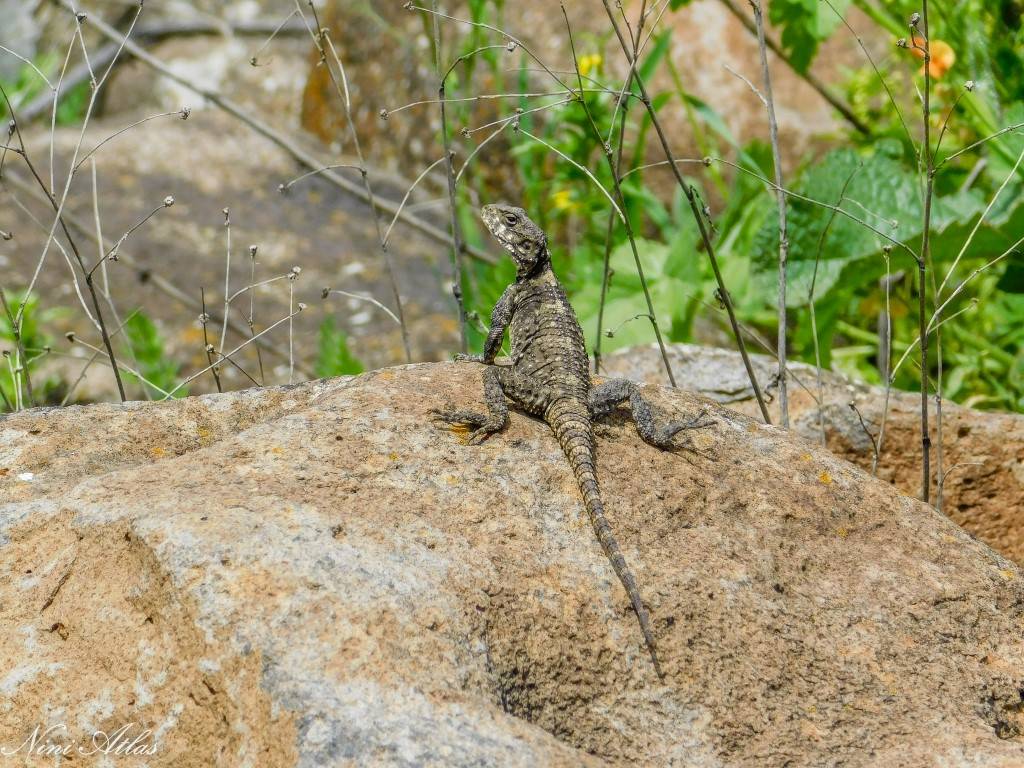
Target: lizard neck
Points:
(539, 269)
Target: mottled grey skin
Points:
(550, 377)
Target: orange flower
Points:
(943, 57)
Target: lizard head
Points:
(518, 235)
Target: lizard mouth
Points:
(524, 241)
(491, 216)
(511, 248)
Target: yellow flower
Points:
(590, 63)
(562, 200)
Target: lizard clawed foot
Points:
(663, 438)
(481, 425)
(452, 416)
(477, 436)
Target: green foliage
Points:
(884, 197)
(877, 182)
(334, 358)
(978, 211)
(672, 274)
(148, 354)
(27, 85)
(47, 390)
(805, 25)
(846, 259)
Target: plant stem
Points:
(621, 199)
(457, 241)
(606, 271)
(319, 39)
(780, 197)
(922, 263)
(22, 359)
(698, 216)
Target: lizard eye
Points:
(511, 219)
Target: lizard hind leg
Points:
(525, 391)
(606, 397)
(483, 425)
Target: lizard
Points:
(549, 376)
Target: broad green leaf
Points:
(1012, 280)
(882, 199)
(671, 296)
(805, 24)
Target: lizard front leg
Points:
(501, 316)
(483, 425)
(501, 383)
(606, 397)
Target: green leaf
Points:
(805, 24)
(334, 358)
(625, 312)
(1007, 148)
(148, 351)
(1012, 280)
(879, 191)
(651, 61)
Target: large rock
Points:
(982, 451)
(320, 576)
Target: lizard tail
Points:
(571, 424)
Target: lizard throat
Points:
(527, 269)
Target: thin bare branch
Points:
(285, 186)
(291, 147)
(974, 230)
(158, 281)
(405, 197)
(923, 261)
(74, 339)
(237, 349)
(359, 297)
(254, 60)
(691, 198)
(780, 197)
(450, 178)
(208, 348)
(367, 186)
(181, 114)
(975, 145)
(510, 38)
(651, 315)
(823, 91)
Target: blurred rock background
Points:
(213, 162)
